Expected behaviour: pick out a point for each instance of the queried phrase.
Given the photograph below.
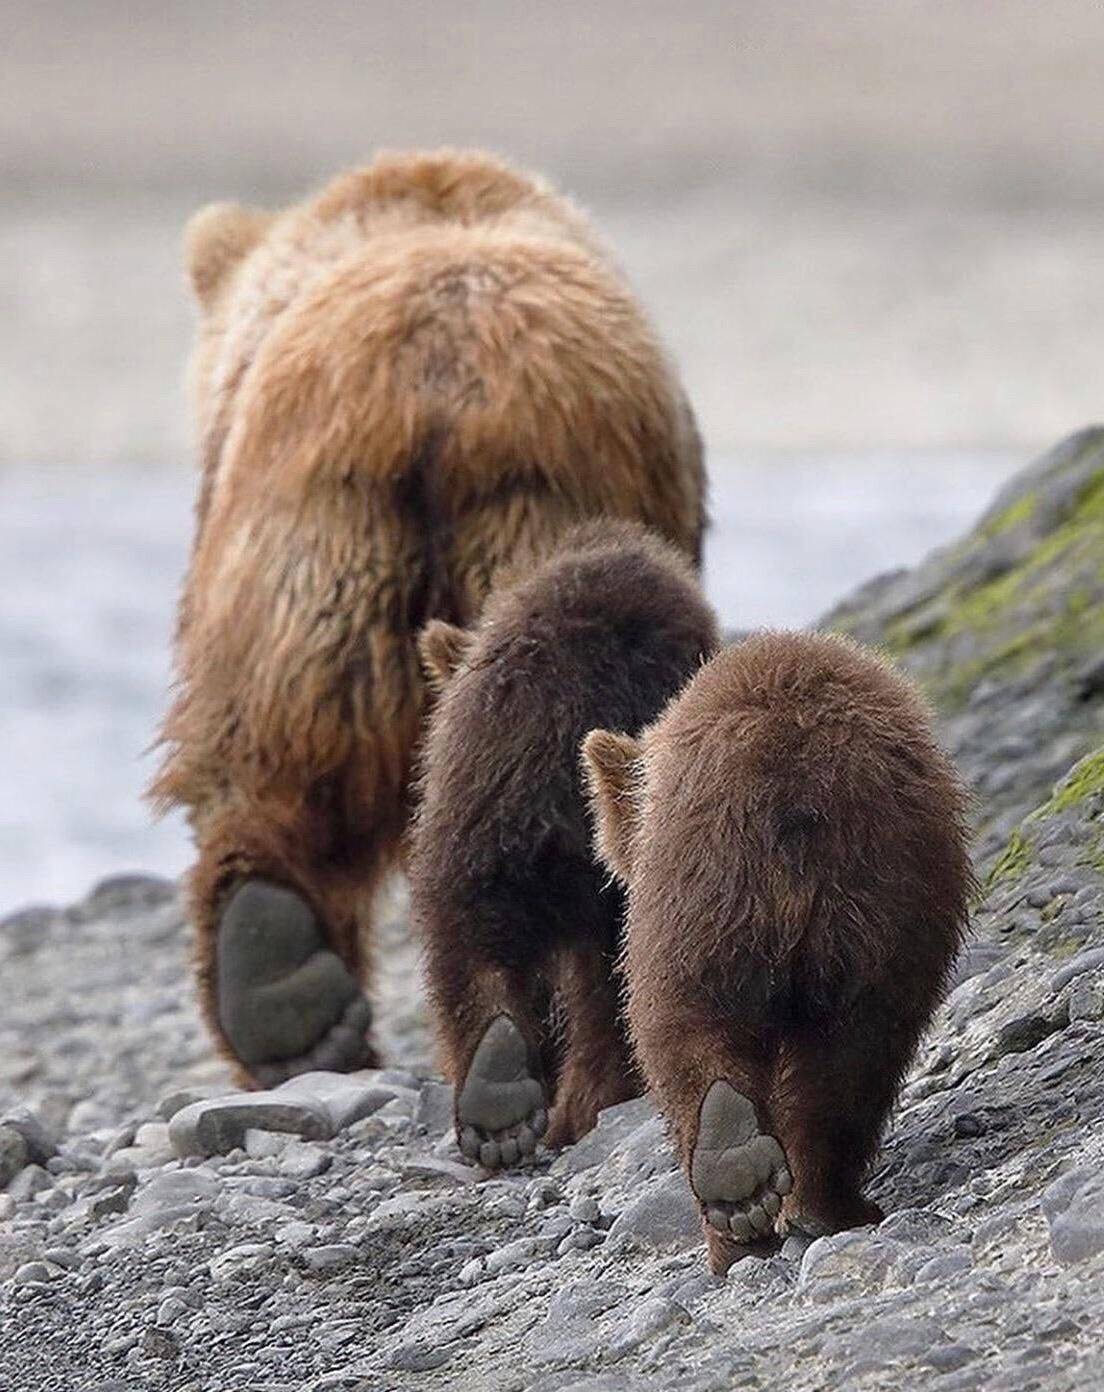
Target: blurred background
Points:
(871, 232)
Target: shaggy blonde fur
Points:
(429, 370)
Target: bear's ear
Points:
(215, 240)
(613, 765)
(442, 647)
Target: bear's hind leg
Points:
(833, 1091)
(278, 953)
(597, 1069)
(711, 1075)
(492, 1038)
(738, 1172)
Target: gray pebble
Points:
(1023, 1033)
(331, 1258)
(242, 1262)
(14, 1154)
(218, 1126)
(260, 1145)
(302, 1161)
(1083, 962)
(296, 1234)
(435, 1107)
(1074, 1210)
(664, 1216)
(557, 1226)
(170, 1310)
(30, 1181)
(39, 1141)
(34, 1272)
(584, 1209)
(343, 1098)
(581, 1240)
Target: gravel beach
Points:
(159, 1230)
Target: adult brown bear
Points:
(429, 370)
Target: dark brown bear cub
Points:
(793, 842)
(521, 923)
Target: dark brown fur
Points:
(794, 845)
(423, 374)
(507, 894)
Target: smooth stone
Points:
(171, 1310)
(262, 1145)
(296, 1234)
(615, 1125)
(1074, 1209)
(436, 1104)
(14, 1155)
(644, 1322)
(41, 1145)
(523, 1251)
(1083, 962)
(301, 1160)
(241, 1262)
(846, 1263)
(434, 1167)
(218, 1126)
(31, 1180)
(343, 1097)
(665, 1216)
(330, 1258)
(34, 1272)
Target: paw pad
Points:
(285, 1001)
(738, 1173)
(501, 1110)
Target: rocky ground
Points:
(157, 1230)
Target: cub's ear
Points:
(215, 240)
(442, 647)
(612, 766)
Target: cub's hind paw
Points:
(501, 1110)
(285, 1001)
(738, 1173)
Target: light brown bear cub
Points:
(429, 370)
(521, 923)
(793, 843)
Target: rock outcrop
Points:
(155, 1232)
(1005, 630)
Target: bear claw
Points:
(738, 1173)
(501, 1109)
(285, 1002)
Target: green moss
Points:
(1052, 600)
(1012, 861)
(1022, 510)
(1085, 779)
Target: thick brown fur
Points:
(794, 845)
(513, 907)
(427, 371)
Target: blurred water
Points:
(90, 566)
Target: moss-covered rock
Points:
(1005, 631)
(1072, 817)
